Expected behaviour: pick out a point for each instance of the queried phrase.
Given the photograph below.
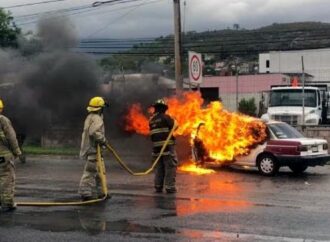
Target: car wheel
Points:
(298, 168)
(268, 165)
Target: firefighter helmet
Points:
(160, 102)
(1, 104)
(96, 104)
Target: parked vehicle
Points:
(285, 146)
(286, 105)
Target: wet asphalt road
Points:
(230, 205)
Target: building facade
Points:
(316, 63)
(226, 88)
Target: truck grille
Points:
(290, 119)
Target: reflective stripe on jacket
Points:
(160, 127)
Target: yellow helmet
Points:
(1, 104)
(96, 104)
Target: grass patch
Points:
(37, 150)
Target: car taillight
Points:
(325, 146)
(302, 148)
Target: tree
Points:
(247, 107)
(8, 30)
(120, 62)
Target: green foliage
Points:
(122, 62)
(223, 44)
(8, 30)
(37, 150)
(247, 107)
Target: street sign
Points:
(195, 68)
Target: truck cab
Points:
(286, 105)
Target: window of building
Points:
(267, 63)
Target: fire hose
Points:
(125, 167)
(102, 174)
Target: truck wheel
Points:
(267, 165)
(298, 169)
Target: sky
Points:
(153, 18)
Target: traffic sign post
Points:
(195, 68)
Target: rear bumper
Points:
(317, 160)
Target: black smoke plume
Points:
(45, 84)
(51, 85)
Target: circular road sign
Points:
(195, 68)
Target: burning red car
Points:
(284, 146)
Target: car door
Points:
(250, 159)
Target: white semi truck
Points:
(286, 105)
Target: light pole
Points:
(236, 70)
(235, 67)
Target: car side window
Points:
(270, 134)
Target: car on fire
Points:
(284, 146)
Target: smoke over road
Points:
(50, 85)
(45, 84)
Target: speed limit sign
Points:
(195, 67)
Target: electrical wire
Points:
(86, 7)
(63, 10)
(32, 4)
(185, 53)
(118, 18)
(312, 33)
(83, 11)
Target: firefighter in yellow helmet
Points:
(93, 135)
(9, 150)
(160, 126)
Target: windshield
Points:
(292, 98)
(284, 131)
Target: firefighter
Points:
(93, 135)
(160, 125)
(9, 150)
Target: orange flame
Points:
(225, 135)
(192, 168)
(136, 121)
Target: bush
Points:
(247, 107)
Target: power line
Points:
(186, 52)
(32, 4)
(63, 10)
(79, 7)
(316, 33)
(81, 10)
(118, 40)
(99, 3)
(120, 17)
(139, 44)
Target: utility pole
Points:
(236, 74)
(177, 46)
(236, 65)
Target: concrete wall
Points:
(317, 132)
